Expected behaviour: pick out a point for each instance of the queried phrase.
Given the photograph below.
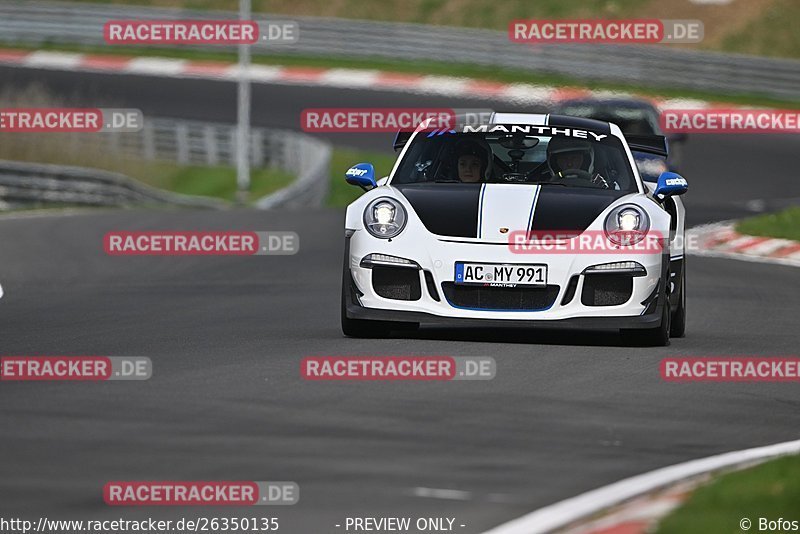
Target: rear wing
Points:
(651, 144)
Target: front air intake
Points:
(500, 298)
(606, 289)
(396, 283)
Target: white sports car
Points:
(527, 219)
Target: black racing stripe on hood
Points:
(445, 209)
(573, 208)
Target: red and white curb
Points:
(582, 512)
(640, 515)
(523, 93)
(723, 241)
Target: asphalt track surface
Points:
(567, 412)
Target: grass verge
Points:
(85, 150)
(219, 182)
(784, 224)
(774, 33)
(770, 490)
(213, 181)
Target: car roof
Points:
(561, 121)
(579, 122)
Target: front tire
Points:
(361, 328)
(678, 324)
(366, 328)
(652, 337)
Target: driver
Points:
(471, 161)
(570, 157)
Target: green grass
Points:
(218, 182)
(83, 150)
(775, 33)
(342, 193)
(784, 224)
(489, 73)
(771, 491)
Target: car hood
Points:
(490, 212)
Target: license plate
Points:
(500, 275)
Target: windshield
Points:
(580, 159)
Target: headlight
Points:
(384, 218)
(627, 225)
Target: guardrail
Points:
(189, 142)
(35, 183)
(180, 141)
(35, 22)
(310, 158)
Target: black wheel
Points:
(678, 324)
(652, 337)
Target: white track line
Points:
(437, 493)
(564, 513)
(53, 60)
(155, 66)
(350, 78)
(262, 73)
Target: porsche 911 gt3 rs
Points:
(527, 219)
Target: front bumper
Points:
(651, 320)
(433, 303)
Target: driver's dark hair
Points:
(471, 147)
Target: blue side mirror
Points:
(362, 175)
(671, 183)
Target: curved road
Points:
(566, 413)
